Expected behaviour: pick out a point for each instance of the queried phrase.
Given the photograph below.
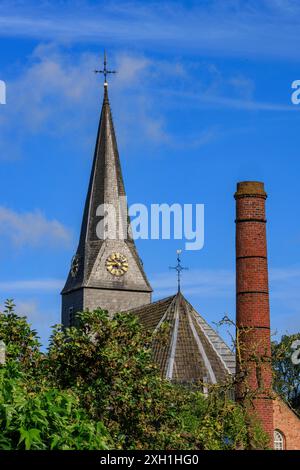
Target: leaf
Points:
(29, 437)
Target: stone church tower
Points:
(106, 270)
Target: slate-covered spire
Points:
(106, 186)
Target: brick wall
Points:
(288, 423)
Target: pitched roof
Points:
(106, 186)
(192, 350)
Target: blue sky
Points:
(202, 100)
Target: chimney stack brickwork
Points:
(252, 304)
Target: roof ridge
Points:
(199, 317)
(209, 326)
(156, 302)
(200, 345)
(166, 312)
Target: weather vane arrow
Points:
(178, 268)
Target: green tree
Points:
(286, 372)
(97, 388)
(33, 413)
(108, 361)
(21, 341)
(44, 419)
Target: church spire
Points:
(106, 184)
(98, 264)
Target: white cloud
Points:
(212, 98)
(220, 283)
(56, 93)
(203, 285)
(29, 299)
(208, 283)
(32, 228)
(131, 70)
(39, 285)
(284, 274)
(244, 86)
(40, 317)
(284, 284)
(28, 308)
(203, 282)
(220, 101)
(253, 29)
(51, 93)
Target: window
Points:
(278, 440)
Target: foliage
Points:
(97, 387)
(286, 373)
(215, 421)
(44, 419)
(34, 414)
(22, 344)
(108, 362)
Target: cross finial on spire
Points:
(105, 71)
(178, 268)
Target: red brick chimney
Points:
(254, 370)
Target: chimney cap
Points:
(251, 189)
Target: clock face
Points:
(117, 264)
(74, 265)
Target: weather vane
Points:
(105, 71)
(178, 268)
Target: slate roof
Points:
(191, 350)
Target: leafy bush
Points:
(286, 373)
(22, 343)
(98, 388)
(47, 419)
(215, 421)
(109, 364)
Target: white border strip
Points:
(202, 351)
(170, 369)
